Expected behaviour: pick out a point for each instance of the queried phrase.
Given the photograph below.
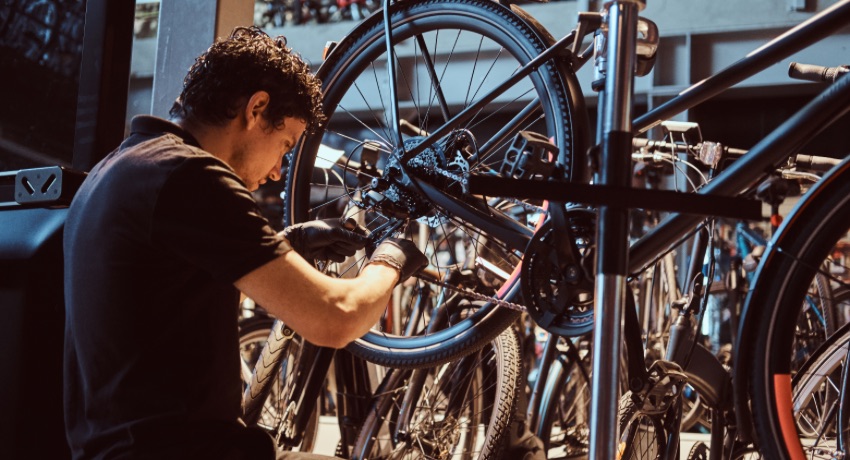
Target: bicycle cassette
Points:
(558, 288)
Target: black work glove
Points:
(324, 240)
(401, 254)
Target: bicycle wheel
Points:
(253, 332)
(815, 391)
(424, 198)
(458, 410)
(817, 320)
(563, 423)
(803, 248)
(642, 436)
(269, 382)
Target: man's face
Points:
(259, 156)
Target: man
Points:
(162, 237)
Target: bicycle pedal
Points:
(530, 156)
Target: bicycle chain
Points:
(527, 206)
(472, 294)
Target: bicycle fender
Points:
(711, 380)
(581, 122)
(366, 24)
(753, 306)
(542, 32)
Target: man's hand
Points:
(401, 254)
(324, 240)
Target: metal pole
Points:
(612, 233)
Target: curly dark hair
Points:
(226, 75)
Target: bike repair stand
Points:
(615, 61)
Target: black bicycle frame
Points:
(771, 151)
(759, 162)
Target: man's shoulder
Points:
(166, 155)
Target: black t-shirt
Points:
(154, 240)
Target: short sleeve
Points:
(206, 216)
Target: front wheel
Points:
(269, 357)
(642, 436)
(809, 244)
(450, 55)
(817, 390)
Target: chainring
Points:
(559, 295)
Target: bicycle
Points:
(424, 166)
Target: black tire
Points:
(454, 405)
(784, 283)
(271, 355)
(495, 231)
(563, 422)
(253, 334)
(698, 452)
(642, 436)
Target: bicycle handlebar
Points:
(801, 162)
(817, 73)
(814, 163)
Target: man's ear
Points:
(254, 109)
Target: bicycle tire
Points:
(797, 253)
(253, 333)
(271, 355)
(563, 422)
(642, 436)
(485, 408)
(353, 62)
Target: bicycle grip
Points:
(811, 72)
(814, 163)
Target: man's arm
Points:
(325, 311)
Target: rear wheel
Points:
(354, 168)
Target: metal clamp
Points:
(53, 185)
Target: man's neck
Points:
(217, 140)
